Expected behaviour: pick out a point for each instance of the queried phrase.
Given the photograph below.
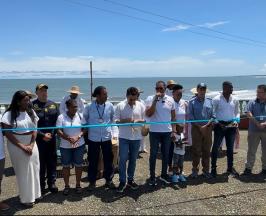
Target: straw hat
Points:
(170, 82)
(75, 90)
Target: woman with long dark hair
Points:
(22, 147)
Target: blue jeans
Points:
(128, 150)
(165, 139)
(219, 134)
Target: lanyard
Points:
(97, 107)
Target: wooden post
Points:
(91, 77)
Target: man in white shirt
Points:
(226, 113)
(160, 108)
(129, 111)
(74, 94)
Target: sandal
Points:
(78, 190)
(66, 190)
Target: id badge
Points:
(100, 120)
(261, 118)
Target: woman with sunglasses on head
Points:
(22, 148)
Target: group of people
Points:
(33, 151)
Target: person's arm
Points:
(10, 136)
(33, 138)
(150, 110)
(173, 119)
(62, 107)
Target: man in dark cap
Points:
(47, 112)
(200, 108)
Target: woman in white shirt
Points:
(22, 147)
(72, 143)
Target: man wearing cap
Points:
(200, 111)
(226, 113)
(47, 112)
(74, 94)
(169, 87)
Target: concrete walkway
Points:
(224, 195)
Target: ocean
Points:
(245, 86)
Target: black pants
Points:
(48, 160)
(93, 157)
(219, 134)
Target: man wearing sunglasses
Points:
(160, 108)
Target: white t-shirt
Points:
(179, 150)
(123, 111)
(64, 120)
(2, 146)
(22, 121)
(180, 110)
(162, 113)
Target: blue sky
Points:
(57, 35)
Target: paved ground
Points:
(224, 195)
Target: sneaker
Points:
(152, 182)
(206, 175)
(52, 188)
(110, 185)
(213, 173)
(66, 190)
(263, 172)
(233, 172)
(28, 205)
(91, 186)
(247, 172)
(175, 178)
(133, 185)
(182, 178)
(194, 174)
(121, 187)
(165, 178)
(78, 189)
(4, 207)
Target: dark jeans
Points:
(165, 139)
(93, 156)
(219, 134)
(171, 153)
(48, 160)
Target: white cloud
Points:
(207, 52)
(263, 69)
(176, 28)
(213, 24)
(16, 53)
(185, 27)
(178, 66)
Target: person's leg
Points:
(123, 157)
(94, 150)
(133, 155)
(218, 138)
(253, 143)
(171, 152)
(51, 160)
(107, 160)
(165, 142)
(181, 163)
(154, 145)
(197, 140)
(3, 206)
(230, 135)
(206, 151)
(66, 159)
(42, 157)
(263, 149)
(78, 162)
